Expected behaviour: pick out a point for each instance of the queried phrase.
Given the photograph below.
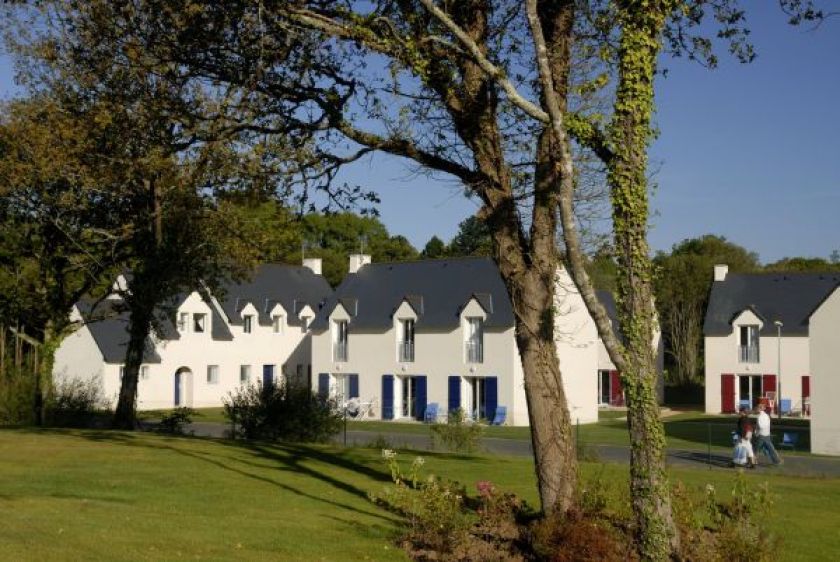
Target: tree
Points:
(472, 239)
(803, 265)
(435, 248)
(683, 282)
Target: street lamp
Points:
(779, 325)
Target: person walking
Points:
(764, 440)
(745, 435)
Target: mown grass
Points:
(83, 495)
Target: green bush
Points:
(17, 392)
(174, 421)
(76, 403)
(458, 434)
(282, 412)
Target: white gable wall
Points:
(825, 382)
(79, 358)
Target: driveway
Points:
(799, 465)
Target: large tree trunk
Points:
(139, 328)
(627, 176)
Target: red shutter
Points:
(616, 394)
(806, 386)
(727, 394)
(768, 384)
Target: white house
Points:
(206, 346)
(824, 349)
(759, 340)
(401, 336)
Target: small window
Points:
(199, 323)
(183, 321)
(304, 323)
(212, 374)
(244, 374)
(277, 323)
(144, 373)
(122, 371)
(247, 323)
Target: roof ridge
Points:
(431, 260)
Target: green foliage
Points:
(76, 403)
(173, 422)
(435, 248)
(17, 390)
(458, 433)
(803, 265)
(472, 239)
(282, 412)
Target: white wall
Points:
(577, 349)
(78, 357)
(722, 358)
(825, 380)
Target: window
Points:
(122, 371)
(247, 323)
(199, 323)
(304, 323)
(144, 373)
(340, 340)
(750, 390)
(408, 402)
(212, 374)
(183, 322)
(244, 374)
(342, 388)
(477, 398)
(405, 347)
(277, 323)
(748, 348)
(475, 340)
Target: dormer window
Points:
(340, 340)
(183, 321)
(748, 351)
(199, 323)
(247, 323)
(475, 340)
(405, 345)
(277, 323)
(304, 323)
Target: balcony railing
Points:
(405, 351)
(340, 351)
(748, 353)
(475, 352)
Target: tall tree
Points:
(683, 282)
(472, 239)
(435, 248)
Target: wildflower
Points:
(388, 454)
(485, 487)
(419, 461)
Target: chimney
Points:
(357, 261)
(720, 272)
(314, 264)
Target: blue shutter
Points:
(454, 393)
(491, 396)
(420, 399)
(354, 386)
(268, 375)
(323, 385)
(387, 397)
(177, 389)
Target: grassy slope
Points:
(114, 496)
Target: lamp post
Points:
(779, 325)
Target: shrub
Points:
(17, 391)
(458, 434)
(174, 421)
(282, 412)
(76, 403)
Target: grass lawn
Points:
(83, 495)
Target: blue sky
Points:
(750, 152)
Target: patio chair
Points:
(501, 416)
(789, 440)
(431, 414)
(785, 406)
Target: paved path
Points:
(800, 465)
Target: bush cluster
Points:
(175, 421)
(76, 403)
(458, 434)
(282, 412)
(17, 391)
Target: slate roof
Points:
(107, 321)
(291, 286)
(437, 291)
(789, 297)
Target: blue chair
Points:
(431, 413)
(744, 405)
(501, 416)
(789, 440)
(785, 406)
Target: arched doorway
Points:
(183, 387)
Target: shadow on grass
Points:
(719, 461)
(283, 456)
